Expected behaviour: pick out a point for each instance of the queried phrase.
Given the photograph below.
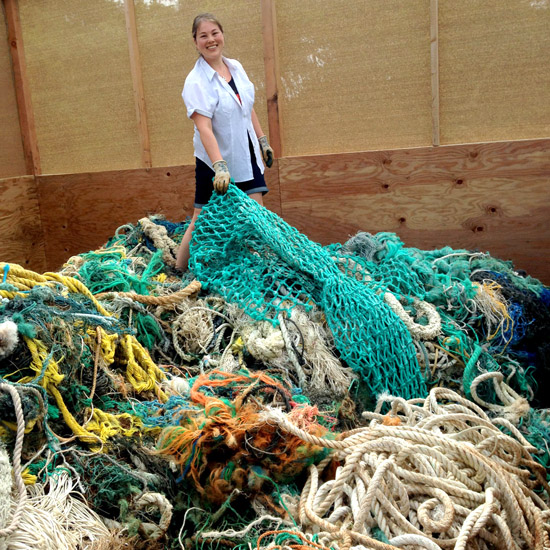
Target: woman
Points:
(228, 138)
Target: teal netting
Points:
(255, 259)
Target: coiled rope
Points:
(436, 472)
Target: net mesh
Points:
(254, 258)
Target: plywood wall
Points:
(81, 211)
(490, 197)
(21, 237)
(12, 159)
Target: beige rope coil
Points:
(163, 505)
(423, 309)
(433, 473)
(514, 407)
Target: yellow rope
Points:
(75, 286)
(23, 279)
(70, 420)
(141, 371)
(9, 295)
(28, 478)
(107, 425)
(50, 379)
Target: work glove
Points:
(267, 151)
(221, 176)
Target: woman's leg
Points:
(258, 197)
(182, 258)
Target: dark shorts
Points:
(204, 175)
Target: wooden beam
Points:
(137, 81)
(271, 62)
(22, 88)
(434, 57)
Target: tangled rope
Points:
(436, 473)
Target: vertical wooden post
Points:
(137, 81)
(22, 89)
(271, 62)
(434, 56)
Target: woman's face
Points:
(209, 40)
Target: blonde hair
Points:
(204, 17)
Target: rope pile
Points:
(242, 404)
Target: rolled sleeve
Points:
(197, 99)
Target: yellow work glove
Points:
(267, 151)
(221, 176)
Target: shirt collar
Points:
(209, 71)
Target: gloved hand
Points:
(221, 176)
(267, 151)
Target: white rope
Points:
(514, 407)
(5, 491)
(55, 518)
(437, 473)
(20, 435)
(161, 503)
(423, 309)
(231, 533)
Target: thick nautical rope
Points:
(20, 435)
(159, 235)
(430, 466)
(168, 300)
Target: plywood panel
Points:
(492, 197)
(81, 211)
(12, 158)
(21, 238)
(494, 70)
(168, 54)
(355, 76)
(79, 74)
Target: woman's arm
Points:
(221, 171)
(267, 151)
(256, 124)
(204, 126)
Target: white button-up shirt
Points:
(206, 93)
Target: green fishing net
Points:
(253, 258)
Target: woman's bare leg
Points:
(258, 197)
(182, 258)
